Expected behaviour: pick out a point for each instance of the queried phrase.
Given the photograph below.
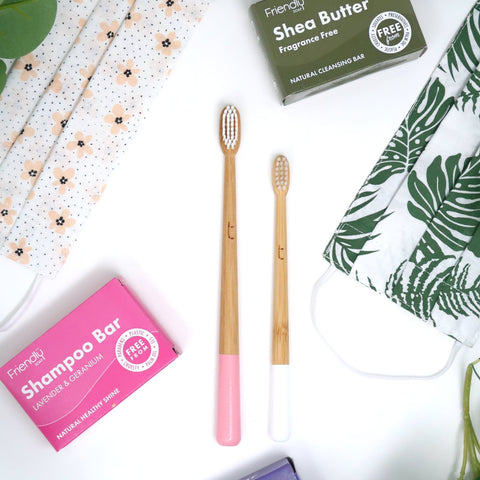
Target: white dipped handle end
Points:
(279, 427)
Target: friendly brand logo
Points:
(35, 358)
(294, 6)
(390, 32)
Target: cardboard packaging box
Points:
(282, 470)
(313, 45)
(87, 364)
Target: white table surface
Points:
(159, 227)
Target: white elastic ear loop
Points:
(21, 306)
(313, 307)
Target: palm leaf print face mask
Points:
(412, 232)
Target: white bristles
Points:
(281, 173)
(230, 127)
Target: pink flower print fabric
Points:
(87, 74)
(60, 122)
(31, 171)
(81, 144)
(61, 221)
(66, 87)
(28, 65)
(170, 6)
(167, 43)
(19, 136)
(15, 106)
(6, 212)
(132, 17)
(56, 84)
(115, 66)
(127, 73)
(117, 119)
(18, 252)
(63, 179)
(108, 31)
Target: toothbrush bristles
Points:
(230, 127)
(281, 176)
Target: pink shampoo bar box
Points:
(87, 363)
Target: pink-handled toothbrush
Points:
(228, 408)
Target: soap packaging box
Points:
(283, 469)
(313, 45)
(87, 363)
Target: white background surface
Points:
(159, 227)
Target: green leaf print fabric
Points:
(412, 232)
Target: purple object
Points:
(282, 470)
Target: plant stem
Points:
(465, 457)
(471, 445)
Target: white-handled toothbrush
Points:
(279, 414)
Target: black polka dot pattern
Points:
(58, 42)
(117, 92)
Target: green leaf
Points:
(361, 201)
(427, 198)
(433, 282)
(455, 297)
(400, 156)
(24, 24)
(414, 288)
(414, 133)
(474, 245)
(11, 2)
(350, 238)
(449, 204)
(461, 52)
(428, 247)
(471, 93)
(430, 276)
(3, 74)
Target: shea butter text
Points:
(286, 31)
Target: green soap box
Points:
(313, 45)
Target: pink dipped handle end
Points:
(228, 407)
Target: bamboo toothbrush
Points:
(228, 408)
(279, 415)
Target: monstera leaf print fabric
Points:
(412, 232)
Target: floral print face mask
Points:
(70, 108)
(412, 232)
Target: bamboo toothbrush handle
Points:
(228, 293)
(280, 339)
(228, 420)
(279, 414)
